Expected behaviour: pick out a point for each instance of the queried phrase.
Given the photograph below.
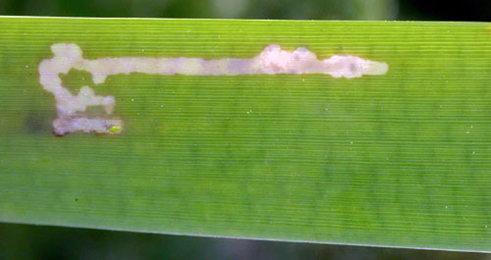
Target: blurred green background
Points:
(469, 10)
(36, 242)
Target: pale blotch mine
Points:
(272, 60)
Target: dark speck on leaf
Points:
(37, 123)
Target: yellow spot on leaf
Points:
(115, 129)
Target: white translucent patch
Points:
(71, 108)
(272, 60)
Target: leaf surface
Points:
(401, 159)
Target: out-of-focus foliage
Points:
(279, 9)
(470, 10)
(35, 242)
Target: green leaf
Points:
(401, 159)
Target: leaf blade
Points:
(394, 160)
